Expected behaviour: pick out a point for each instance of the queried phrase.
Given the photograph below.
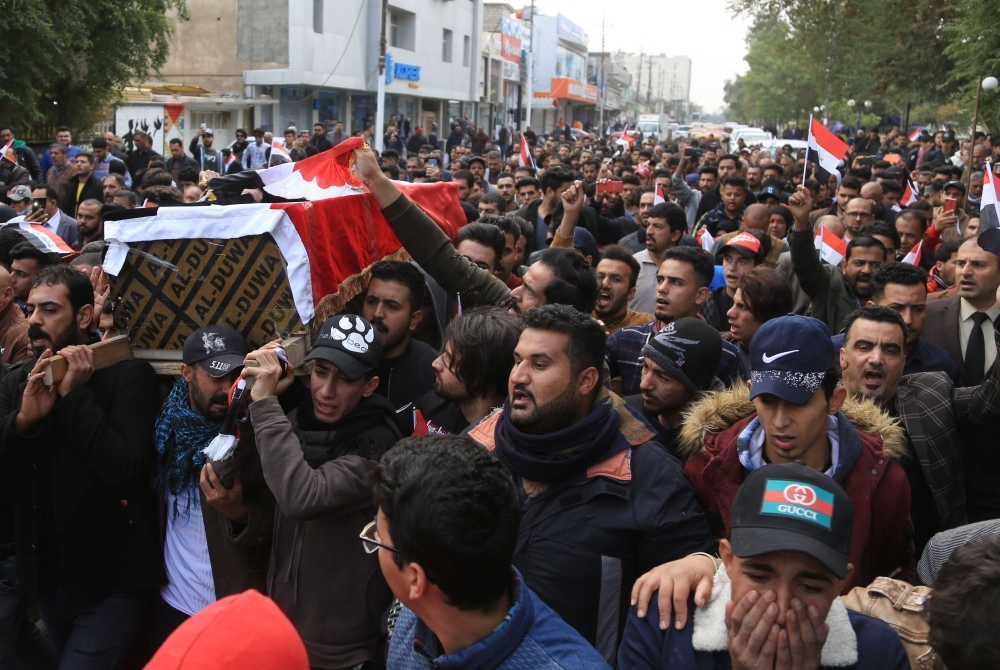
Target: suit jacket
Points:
(978, 438)
(941, 328)
(67, 229)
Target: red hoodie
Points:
(242, 632)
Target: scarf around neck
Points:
(609, 427)
(181, 433)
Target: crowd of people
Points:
(639, 413)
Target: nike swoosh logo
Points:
(770, 359)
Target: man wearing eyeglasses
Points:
(447, 525)
(316, 460)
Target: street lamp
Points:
(990, 84)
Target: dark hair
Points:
(865, 243)
(556, 176)
(140, 133)
(962, 611)
(464, 175)
(109, 207)
(26, 250)
(120, 180)
(6, 127)
(586, 336)
(672, 212)
(164, 196)
(62, 129)
(784, 213)
(765, 246)
(128, 195)
(735, 180)
(81, 291)
(156, 178)
(877, 313)
(507, 224)
(897, 273)
(944, 252)
(9, 238)
(891, 186)
(452, 508)
(50, 192)
(117, 167)
(574, 282)
(527, 228)
(699, 259)
(850, 182)
(729, 157)
(914, 214)
(401, 273)
(188, 174)
(390, 153)
(616, 252)
(486, 233)
(882, 229)
(96, 143)
(90, 258)
(766, 293)
(495, 198)
(482, 349)
(392, 169)
(709, 169)
(527, 181)
(630, 179)
(176, 140)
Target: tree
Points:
(974, 44)
(66, 60)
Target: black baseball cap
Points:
(217, 349)
(349, 343)
(792, 507)
(789, 358)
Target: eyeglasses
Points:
(371, 543)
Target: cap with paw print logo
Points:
(349, 343)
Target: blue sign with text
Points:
(409, 72)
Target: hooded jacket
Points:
(870, 442)
(320, 576)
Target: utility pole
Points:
(638, 82)
(649, 81)
(601, 85)
(380, 99)
(531, 67)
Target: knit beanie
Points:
(687, 349)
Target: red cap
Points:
(746, 243)
(244, 632)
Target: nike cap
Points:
(792, 507)
(789, 357)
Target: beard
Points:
(454, 392)
(68, 337)
(554, 415)
(204, 403)
(389, 339)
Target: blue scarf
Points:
(181, 434)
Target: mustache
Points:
(524, 389)
(378, 323)
(36, 333)
(219, 399)
(873, 368)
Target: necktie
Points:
(975, 351)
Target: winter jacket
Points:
(831, 297)
(13, 175)
(92, 190)
(531, 637)
(717, 221)
(28, 159)
(854, 642)
(320, 576)
(712, 198)
(584, 541)
(81, 485)
(870, 444)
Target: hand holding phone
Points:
(37, 204)
(950, 205)
(610, 186)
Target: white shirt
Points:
(966, 324)
(190, 586)
(645, 284)
(53, 222)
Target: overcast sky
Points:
(704, 31)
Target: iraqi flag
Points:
(8, 152)
(913, 258)
(526, 158)
(658, 195)
(278, 151)
(328, 175)
(625, 141)
(910, 194)
(825, 148)
(915, 135)
(989, 206)
(706, 240)
(40, 237)
(831, 248)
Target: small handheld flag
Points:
(526, 158)
(831, 248)
(706, 240)
(8, 152)
(278, 149)
(913, 258)
(829, 148)
(658, 195)
(910, 194)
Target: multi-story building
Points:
(318, 60)
(560, 88)
(608, 73)
(661, 83)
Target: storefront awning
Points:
(571, 90)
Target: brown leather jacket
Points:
(900, 605)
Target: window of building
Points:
(446, 46)
(402, 29)
(466, 50)
(318, 16)
(213, 120)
